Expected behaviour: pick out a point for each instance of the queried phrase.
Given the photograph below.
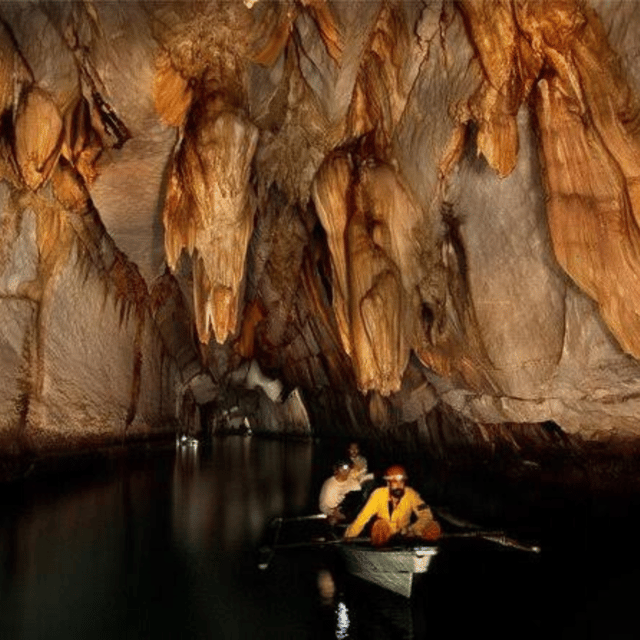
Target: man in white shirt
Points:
(334, 491)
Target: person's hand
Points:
(430, 531)
(433, 532)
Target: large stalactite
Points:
(210, 211)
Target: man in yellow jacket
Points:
(394, 507)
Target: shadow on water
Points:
(165, 546)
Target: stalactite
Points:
(81, 143)
(129, 288)
(209, 210)
(253, 315)
(276, 25)
(447, 338)
(329, 190)
(370, 221)
(377, 296)
(383, 83)
(271, 32)
(557, 55)
(15, 74)
(38, 136)
(589, 121)
(368, 215)
(69, 189)
(178, 214)
(95, 125)
(509, 70)
(322, 14)
(54, 237)
(171, 91)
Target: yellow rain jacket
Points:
(378, 505)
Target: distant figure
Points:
(334, 491)
(394, 507)
(358, 463)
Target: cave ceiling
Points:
(386, 205)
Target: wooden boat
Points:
(392, 568)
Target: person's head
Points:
(353, 450)
(396, 478)
(341, 470)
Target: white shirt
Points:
(333, 492)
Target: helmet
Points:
(395, 472)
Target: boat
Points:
(392, 568)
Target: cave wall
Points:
(394, 208)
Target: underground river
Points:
(164, 545)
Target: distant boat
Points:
(392, 568)
(186, 441)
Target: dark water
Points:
(164, 546)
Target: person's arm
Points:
(367, 512)
(326, 499)
(421, 509)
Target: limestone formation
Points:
(417, 217)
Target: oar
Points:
(313, 516)
(276, 524)
(498, 537)
(270, 551)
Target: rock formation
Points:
(408, 216)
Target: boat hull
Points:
(391, 568)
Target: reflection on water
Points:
(367, 611)
(224, 496)
(326, 587)
(157, 547)
(164, 546)
(342, 615)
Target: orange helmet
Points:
(395, 472)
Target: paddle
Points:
(495, 536)
(269, 552)
(499, 537)
(313, 516)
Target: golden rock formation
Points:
(330, 194)
(310, 120)
(366, 211)
(377, 297)
(38, 136)
(209, 210)
(589, 121)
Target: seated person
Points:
(335, 490)
(394, 506)
(358, 463)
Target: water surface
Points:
(164, 546)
